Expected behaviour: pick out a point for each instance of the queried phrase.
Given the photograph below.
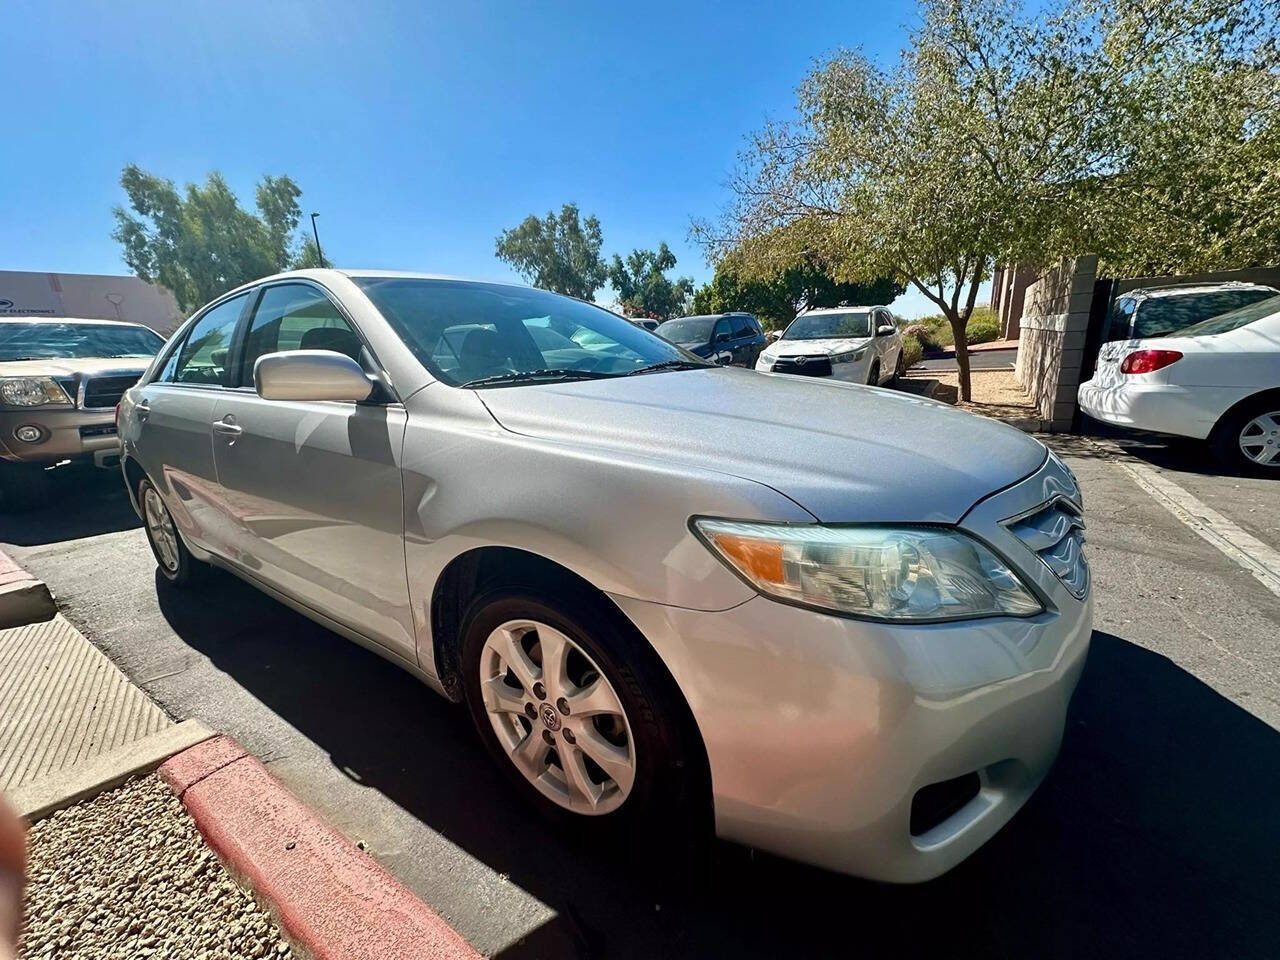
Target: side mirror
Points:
(774, 336)
(884, 331)
(310, 375)
(723, 337)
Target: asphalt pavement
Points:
(1155, 835)
(978, 360)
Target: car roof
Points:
(1154, 293)
(47, 319)
(822, 310)
(712, 316)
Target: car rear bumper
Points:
(1159, 407)
(65, 435)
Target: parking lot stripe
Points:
(1260, 559)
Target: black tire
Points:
(23, 486)
(1225, 439)
(900, 369)
(668, 773)
(873, 375)
(186, 569)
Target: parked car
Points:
(729, 339)
(60, 381)
(1158, 311)
(1217, 380)
(854, 344)
(849, 624)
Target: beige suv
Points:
(60, 381)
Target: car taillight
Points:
(117, 416)
(1149, 361)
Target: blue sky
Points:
(418, 130)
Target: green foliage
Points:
(644, 289)
(983, 328)
(930, 333)
(1144, 130)
(201, 243)
(775, 295)
(912, 352)
(560, 252)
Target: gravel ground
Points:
(127, 874)
(995, 393)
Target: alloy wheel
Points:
(160, 529)
(1260, 439)
(558, 717)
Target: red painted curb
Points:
(333, 899)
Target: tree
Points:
(201, 243)
(309, 256)
(776, 296)
(644, 289)
(1002, 136)
(560, 253)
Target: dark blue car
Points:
(730, 339)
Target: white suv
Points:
(853, 344)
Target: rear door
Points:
(313, 488)
(173, 415)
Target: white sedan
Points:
(1218, 380)
(854, 344)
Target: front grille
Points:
(105, 392)
(98, 430)
(804, 366)
(1055, 533)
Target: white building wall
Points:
(90, 296)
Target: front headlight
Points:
(768, 357)
(849, 356)
(31, 391)
(882, 573)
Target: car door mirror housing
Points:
(310, 375)
(884, 331)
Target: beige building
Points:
(88, 295)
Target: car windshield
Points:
(1161, 316)
(687, 329)
(49, 340)
(1234, 320)
(489, 334)
(821, 326)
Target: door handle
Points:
(227, 426)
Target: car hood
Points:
(844, 452)
(813, 348)
(71, 367)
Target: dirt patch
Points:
(995, 393)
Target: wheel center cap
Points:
(550, 717)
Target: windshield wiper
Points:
(535, 376)
(670, 365)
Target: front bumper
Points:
(67, 434)
(849, 372)
(820, 730)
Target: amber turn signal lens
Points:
(761, 559)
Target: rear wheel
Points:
(1249, 438)
(574, 710)
(175, 561)
(873, 375)
(900, 369)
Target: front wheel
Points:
(1249, 438)
(873, 375)
(573, 709)
(900, 369)
(175, 561)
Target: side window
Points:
(742, 327)
(722, 327)
(295, 316)
(202, 356)
(1121, 316)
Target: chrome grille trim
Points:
(1054, 532)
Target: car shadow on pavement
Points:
(1156, 834)
(83, 502)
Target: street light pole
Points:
(316, 234)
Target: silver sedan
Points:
(848, 620)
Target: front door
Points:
(173, 417)
(313, 488)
